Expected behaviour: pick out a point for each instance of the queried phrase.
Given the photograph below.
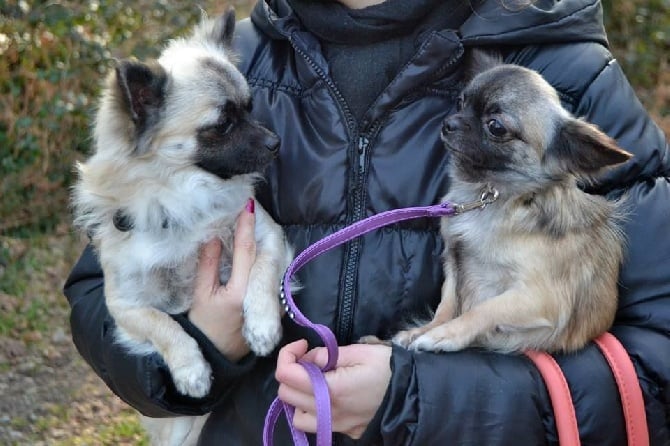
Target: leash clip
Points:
(488, 196)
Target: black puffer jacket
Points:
(332, 172)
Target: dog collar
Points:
(488, 196)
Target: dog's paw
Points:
(193, 378)
(406, 337)
(374, 340)
(262, 335)
(439, 339)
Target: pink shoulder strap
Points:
(625, 378)
(559, 394)
(629, 389)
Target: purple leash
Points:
(316, 374)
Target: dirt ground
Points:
(49, 395)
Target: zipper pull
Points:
(362, 151)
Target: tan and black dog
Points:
(537, 268)
(176, 158)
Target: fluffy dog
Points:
(176, 159)
(538, 268)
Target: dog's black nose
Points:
(271, 142)
(450, 125)
(453, 124)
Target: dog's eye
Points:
(496, 128)
(225, 125)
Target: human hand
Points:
(357, 385)
(217, 309)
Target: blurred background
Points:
(53, 55)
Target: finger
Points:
(244, 248)
(289, 371)
(296, 398)
(207, 275)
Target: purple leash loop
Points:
(317, 377)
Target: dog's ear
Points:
(224, 27)
(479, 60)
(141, 88)
(582, 148)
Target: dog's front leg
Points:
(262, 310)
(190, 371)
(495, 324)
(446, 310)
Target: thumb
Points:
(293, 351)
(318, 356)
(288, 371)
(347, 355)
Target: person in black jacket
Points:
(357, 92)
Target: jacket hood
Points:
(491, 23)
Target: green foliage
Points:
(639, 33)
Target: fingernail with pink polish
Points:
(250, 206)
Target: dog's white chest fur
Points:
(479, 240)
(169, 220)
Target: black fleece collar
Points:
(545, 21)
(333, 22)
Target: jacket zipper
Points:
(359, 153)
(349, 280)
(351, 123)
(352, 254)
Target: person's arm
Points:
(145, 382)
(468, 397)
(476, 397)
